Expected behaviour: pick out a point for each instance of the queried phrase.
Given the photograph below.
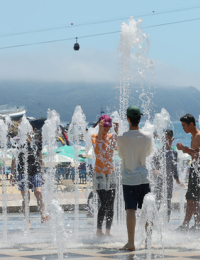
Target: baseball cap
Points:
(108, 120)
(133, 111)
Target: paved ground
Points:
(40, 243)
(35, 252)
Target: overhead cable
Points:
(153, 13)
(94, 35)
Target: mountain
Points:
(37, 97)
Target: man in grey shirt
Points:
(133, 148)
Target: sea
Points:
(179, 134)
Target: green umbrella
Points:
(69, 152)
(79, 158)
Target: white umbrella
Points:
(7, 159)
(58, 158)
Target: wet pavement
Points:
(40, 243)
(77, 240)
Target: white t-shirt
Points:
(133, 148)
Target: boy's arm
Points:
(187, 150)
(175, 170)
(114, 142)
(101, 124)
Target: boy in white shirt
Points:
(133, 148)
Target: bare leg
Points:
(23, 205)
(130, 222)
(107, 232)
(190, 210)
(40, 203)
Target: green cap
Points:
(133, 111)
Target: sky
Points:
(174, 48)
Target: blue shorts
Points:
(134, 195)
(34, 181)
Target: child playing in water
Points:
(104, 183)
(166, 156)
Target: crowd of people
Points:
(133, 147)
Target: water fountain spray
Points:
(134, 46)
(76, 131)
(120, 214)
(149, 218)
(162, 122)
(3, 156)
(49, 133)
(24, 131)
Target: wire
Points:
(97, 22)
(94, 35)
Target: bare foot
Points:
(30, 225)
(99, 233)
(182, 228)
(128, 247)
(108, 233)
(45, 219)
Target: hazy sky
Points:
(174, 48)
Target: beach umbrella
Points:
(80, 159)
(57, 159)
(89, 154)
(69, 151)
(6, 161)
(66, 151)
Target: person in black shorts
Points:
(133, 147)
(28, 157)
(193, 192)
